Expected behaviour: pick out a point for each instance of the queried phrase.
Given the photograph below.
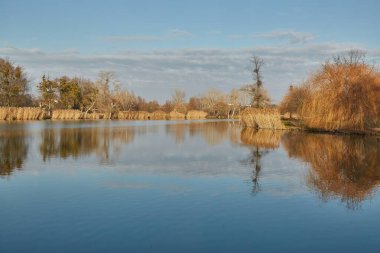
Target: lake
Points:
(185, 186)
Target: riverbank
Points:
(296, 124)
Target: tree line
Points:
(106, 94)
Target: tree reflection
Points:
(77, 142)
(13, 150)
(212, 132)
(260, 143)
(345, 167)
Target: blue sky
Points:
(158, 46)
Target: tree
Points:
(89, 95)
(214, 103)
(69, 93)
(178, 100)
(234, 102)
(259, 95)
(48, 91)
(13, 85)
(344, 95)
(195, 103)
(105, 101)
(125, 100)
(294, 99)
(167, 107)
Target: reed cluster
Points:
(133, 115)
(159, 115)
(176, 115)
(267, 118)
(68, 114)
(22, 113)
(344, 95)
(196, 114)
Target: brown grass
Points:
(261, 118)
(195, 114)
(133, 115)
(176, 115)
(342, 97)
(21, 113)
(67, 114)
(159, 115)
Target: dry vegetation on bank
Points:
(36, 113)
(343, 95)
(22, 113)
(267, 118)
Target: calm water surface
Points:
(185, 186)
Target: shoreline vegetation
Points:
(341, 97)
(37, 113)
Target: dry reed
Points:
(176, 115)
(159, 115)
(67, 114)
(133, 115)
(261, 118)
(195, 114)
(343, 97)
(22, 113)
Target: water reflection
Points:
(212, 132)
(13, 150)
(77, 142)
(344, 167)
(261, 142)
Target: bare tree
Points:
(178, 100)
(105, 101)
(214, 102)
(259, 96)
(234, 99)
(352, 57)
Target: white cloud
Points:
(128, 38)
(293, 37)
(156, 73)
(172, 34)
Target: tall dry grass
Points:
(176, 115)
(133, 115)
(195, 114)
(22, 113)
(345, 167)
(266, 118)
(67, 114)
(340, 96)
(159, 115)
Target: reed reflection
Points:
(344, 167)
(212, 132)
(261, 142)
(13, 150)
(77, 142)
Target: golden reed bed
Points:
(36, 113)
(22, 113)
(261, 118)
